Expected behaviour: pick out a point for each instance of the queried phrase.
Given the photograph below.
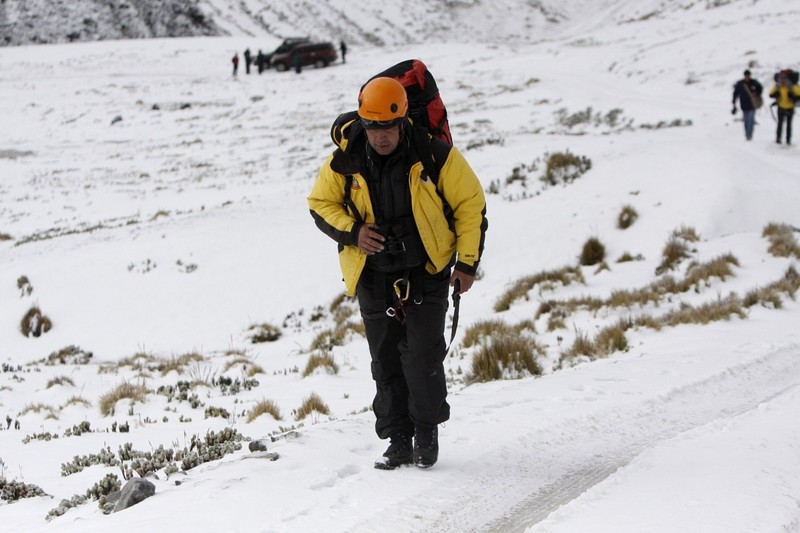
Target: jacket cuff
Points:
(352, 237)
(467, 269)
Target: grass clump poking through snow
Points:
(336, 336)
(546, 279)
(627, 217)
(264, 333)
(312, 404)
(782, 242)
(676, 249)
(60, 380)
(323, 361)
(264, 407)
(564, 167)
(34, 323)
(108, 401)
(769, 296)
(593, 252)
(503, 352)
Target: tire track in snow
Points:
(570, 458)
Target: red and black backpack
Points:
(425, 105)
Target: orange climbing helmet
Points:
(382, 103)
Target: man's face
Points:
(384, 141)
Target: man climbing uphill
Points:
(403, 238)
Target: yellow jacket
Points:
(782, 94)
(457, 189)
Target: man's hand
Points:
(733, 110)
(466, 280)
(370, 241)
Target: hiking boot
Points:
(426, 446)
(400, 452)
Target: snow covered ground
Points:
(157, 206)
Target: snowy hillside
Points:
(60, 21)
(358, 22)
(153, 209)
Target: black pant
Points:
(787, 115)
(407, 359)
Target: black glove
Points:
(733, 111)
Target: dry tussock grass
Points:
(627, 217)
(49, 411)
(264, 407)
(108, 401)
(519, 290)
(249, 368)
(313, 403)
(60, 380)
(337, 336)
(321, 360)
(782, 242)
(593, 252)
(505, 356)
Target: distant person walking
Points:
(748, 92)
(248, 59)
(235, 61)
(260, 60)
(786, 93)
(297, 62)
(343, 50)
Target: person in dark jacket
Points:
(235, 61)
(403, 238)
(261, 60)
(748, 92)
(248, 60)
(343, 50)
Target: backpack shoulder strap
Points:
(348, 201)
(431, 154)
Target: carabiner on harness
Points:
(399, 311)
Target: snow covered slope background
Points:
(155, 207)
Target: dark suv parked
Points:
(317, 54)
(285, 46)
